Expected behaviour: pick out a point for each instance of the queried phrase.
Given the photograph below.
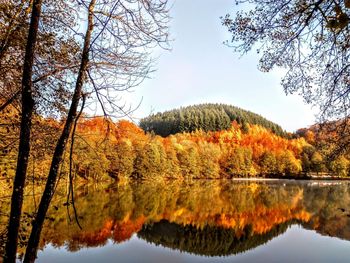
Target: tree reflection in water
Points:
(212, 218)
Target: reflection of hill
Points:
(208, 241)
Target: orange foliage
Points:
(127, 130)
(258, 151)
(124, 230)
(119, 231)
(96, 238)
(262, 219)
(95, 125)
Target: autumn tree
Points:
(310, 39)
(172, 166)
(114, 57)
(209, 160)
(238, 162)
(189, 160)
(340, 166)
(121, 158)
(267, 163)
(150, 161)
(317, 162)
(287, 163)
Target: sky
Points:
(201, 69)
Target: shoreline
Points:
(303, 178)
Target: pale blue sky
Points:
(201, 69)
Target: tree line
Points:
(124, 151)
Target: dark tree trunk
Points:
(34, 238)
(24, 144)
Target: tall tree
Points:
(37, 55)
(24, 145)
(60, 146)
(115, 57)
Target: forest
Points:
(206, 117)
(123, 151)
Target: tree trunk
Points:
(24, 144)
(34, 238)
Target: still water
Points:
(200, 221)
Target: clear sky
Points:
(200, 69)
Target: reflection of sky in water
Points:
(295, 245)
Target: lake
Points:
(197, 221)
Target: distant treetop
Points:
(206, 117)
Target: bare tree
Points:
(310, 39)
(27, 50)
(114, 58)
(117, 58)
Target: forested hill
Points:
(207, 117)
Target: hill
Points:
(206, 117)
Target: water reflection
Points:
(209, 240)
(211, 218)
